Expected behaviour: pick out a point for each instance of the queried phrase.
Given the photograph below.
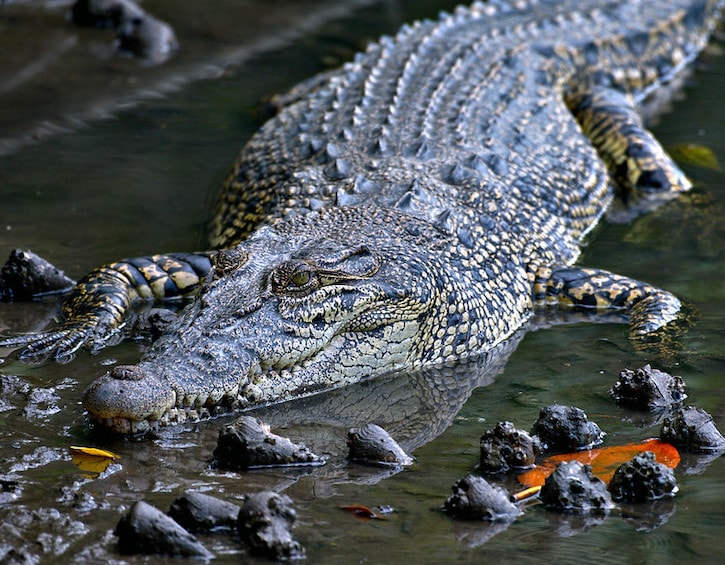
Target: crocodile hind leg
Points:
(99, 305)
(649, 308)
(643, 174)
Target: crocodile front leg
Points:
(649, 308)
(644, 175)
(98, 306)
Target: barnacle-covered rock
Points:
(145, 529)
(265, 524)
(648, 389)
(566, 428)
(693, 430)
(198, 512)
(26, 274)
(505, 448)
(139, 33)
(474, 498)
(248, 443)
(147, 37)
(572, 487)
(642, 479)
(371, 444)
(104, 13)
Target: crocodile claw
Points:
(60, 344)
(38, 348)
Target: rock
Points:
(139, 33)
(505, 448)
(474, 498)
(248, 443)
(265, 524)
(104, 13)
(372, 445)
(198, 512)
(648, 389)
(573, 488)
(152, 324)
(145, 529)
(566, 428)
(26, 275)
(693, 430)
(147, 37)
(642, 479)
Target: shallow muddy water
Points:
(140, 181)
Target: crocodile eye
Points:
(301, 277)
(294, 278)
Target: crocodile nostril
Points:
(127, 373)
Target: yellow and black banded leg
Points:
(100, 302)
(649, 308)
(644, 175)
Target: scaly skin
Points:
(416, 207)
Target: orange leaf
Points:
(363, 512)
(604, 460)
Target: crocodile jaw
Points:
(134, 399)
(127, 400)
(137, 406)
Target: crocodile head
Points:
(310, 304)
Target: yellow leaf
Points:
(694, 154)
(74, 449)
(92, 460)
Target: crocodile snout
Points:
(128, 394)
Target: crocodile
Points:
(411, 209)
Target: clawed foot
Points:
(60, 344)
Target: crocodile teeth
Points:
(136, 426)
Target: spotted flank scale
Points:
(412, 208)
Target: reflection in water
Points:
(413, 407)
(473, 534)
(568, 525)
(650, 515)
